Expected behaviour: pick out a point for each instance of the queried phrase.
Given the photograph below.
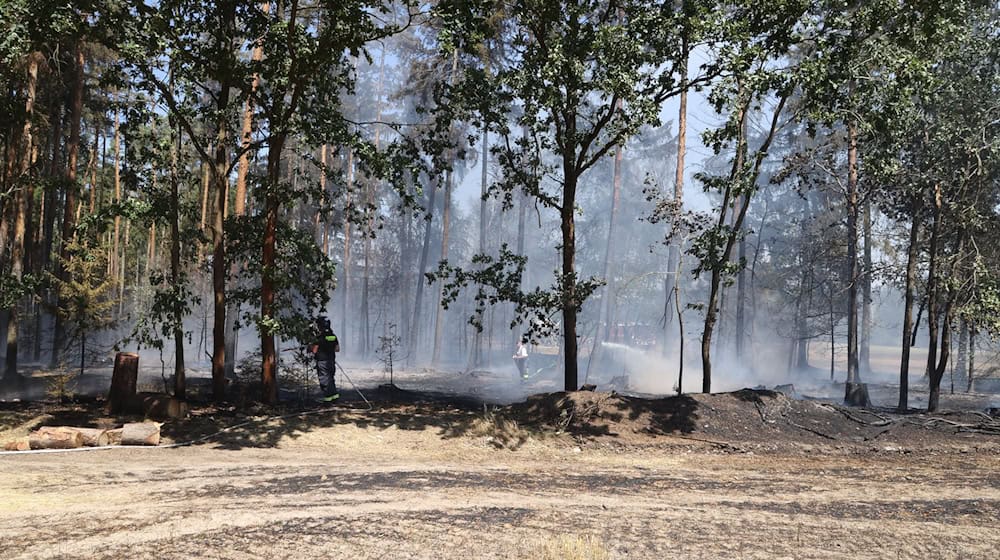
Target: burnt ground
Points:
(747, 474)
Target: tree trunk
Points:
(963, 354)
(972, 358)
(932, 293)
(604, 322)
(711, 309)
(866, 297)
(422, 268)
(348, 210)
(938, 373)
(227, 21)
(852, 256)
(445, 235)
(477, 348)
(911, 279)
(268, 352)
(118, 195)
(570, 305)
(801, 319)
(672, 279)
(833, 340)
(240, 196)
(17, 253)
(180, 385)
(522, 211)
(371, 187)
(69, 221)
(741, 291)
(405, 265)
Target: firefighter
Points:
(325, 349)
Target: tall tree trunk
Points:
(672, 279)
(69, 211)
(715, 283)
(932, 294)
(972, 357)
(963, 354)
(833, 340)
(801, 320)
(348, 211)
(605, 318)
(477, 348)
(421, 269)
(736, 176)
(17, 253)
(934, 396)
(445, 239)
(371, 187)
(268, 351)
(866, 296)
(240, 196)
(118, 194)
(180, 381)
(937, 374)
(853, 376)
(522, 211)
(227, 21)
(570, 305)
(741, 291)
(405, 265)
(911, 280)
(49, 198)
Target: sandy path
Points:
(337, 494)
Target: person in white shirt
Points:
(521, 359)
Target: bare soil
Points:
(749, 474)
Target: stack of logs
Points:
(66, 437)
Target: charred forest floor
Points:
(746, 474)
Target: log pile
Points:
(69, 437)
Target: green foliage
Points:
(87, 295)
(498, 280)
(13, 290)
(300, 290)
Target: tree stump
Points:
(123, 381)
(141, 433)
(55, 437)
(856, 394)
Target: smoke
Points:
(650, 371)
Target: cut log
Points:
(123, 381)
(141, 433)
(19, 444)
(55, 437)
(92, 437)
(114, 436)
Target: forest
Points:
(715, 182)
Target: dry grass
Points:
(498, 430)
(571, 547)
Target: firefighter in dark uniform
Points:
(325, 349)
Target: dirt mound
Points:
(750, 419)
